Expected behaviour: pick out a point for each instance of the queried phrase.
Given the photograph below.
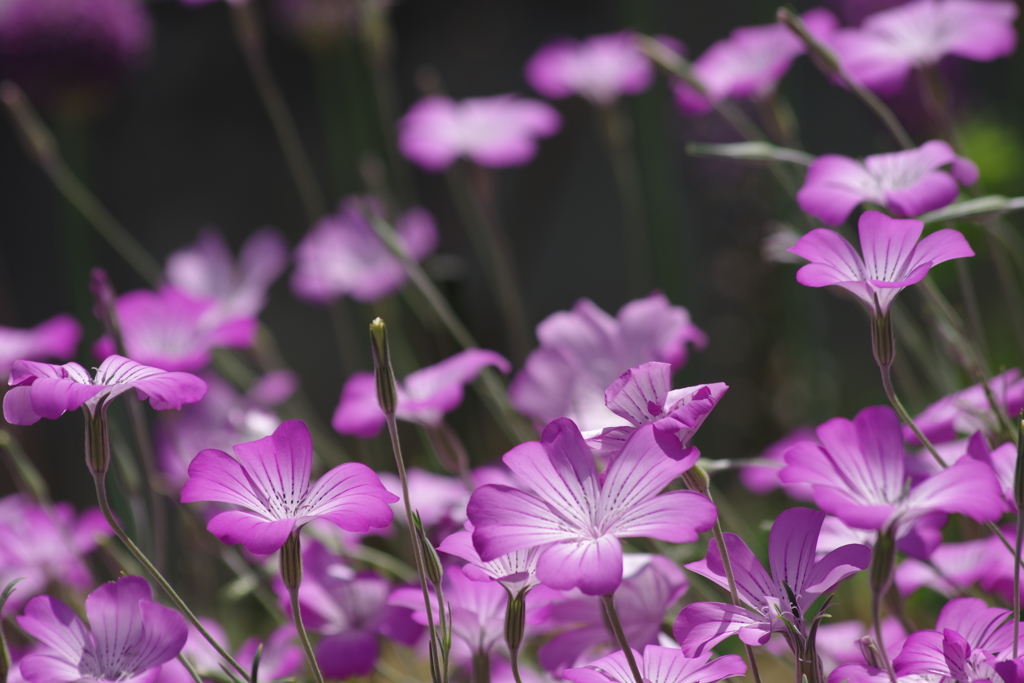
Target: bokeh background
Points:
(182, 142)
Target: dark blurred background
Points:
(184, 143)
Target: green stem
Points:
(608, 601)
(189, 668)
(291, 575)
(905, 416)
(101, 497)
(1016, 582)
(249, 34)
(22, 468)
(733, 592)
(876, 616)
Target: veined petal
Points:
(592, 565)
(922, 654)
(279, 466)
(352, 496)
(941, 245)
(170, 390)
(506, 519)
(836, 259)
(981, 625)
(40, 668)
(54, 624)
(51, 398)
(164, 634)
(791, 546)
(837, 565)
(887, 244)
(702, 625)
(669, 665)
(217, 477)
(967, 487)
(640, 393)
(676, 517)
(258, 535)
(752, 582)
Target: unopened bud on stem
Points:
(696, 479)
(869, 650)
(515, 621)
(387, 394)
(883, 562)
(291, 562)
(1018, 474)
(431, 560)
(883, 338)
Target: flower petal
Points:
(702, 625)
(258, 535)
(352, 496)
(279, 466)
(593, 566)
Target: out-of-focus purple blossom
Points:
(270, 480)
(282, 657)
(439, 500)
(761, 479)
(749, 63)
(491, 131)
(953, 567)
(888, 45)
(342, 255)
(836, 643)
(858, 474)
(54, 338)
(584, 350)
(206, 270)
(600, 68)
(893, 257)
(644, 395)
(580, 515)
(651, 584)
(919, 539)
(424, 396)
(350, 611)
(43, 390)
(516, 571)
(907, 183)
(221, 420)
(660, 665)
(791, 558)
(43, 545)
(58, 49)
(130, 636)
(968, 410)
(170, 330)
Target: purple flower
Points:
(660, 665)
(131, 636)
(170, 330)
(270, 479)
(424, 396)
(791, 558)
(282, 657)
(45, 545)
(43, 390)
(763, 478)
(907, 183)
(584, 350)
(57, 337)
(969, 639)
(651, 584)
(350, 611)
(600, 68)
(516, 571)
(643, 395)
(858, 473)
(889, 44)
(59, 48)
(342, 255)
(439, 500)
(952, 567)
(581, 515)
(893, 257)
(749, 63)
(968, 410)
(491, 131)
(206, 270)
(1002, 460)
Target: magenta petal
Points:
(258, 535)
(593, 566)
(347, 654)
(352, 496)
(837, 259)
(506, 519)
(639, 394)
(676, 517)
(358, 412)
(18, 408)
(40, 668)
(702, 625)
(216, 476)
(279, 464)
(54, 624)
(933, 191)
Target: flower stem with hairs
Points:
(291, 576)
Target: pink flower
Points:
(131, 636)
(206, 270)
(584, 350)
(424, 396)
(660, 665)
(889, 44)
(600, 68)
(749, 63)
(44, 390)
(57, 337)
(908, 183)
(491, 131)
(580, 516)
(270, 479)
(342, 255)
(968, 410)
(516, 571)
(170, 330)
(893, 257)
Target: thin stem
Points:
(475, 205)
(617, 136)
(1016, 582)
(249, 34)
(514, 658)
(876, 613)
(21, 467)
(101, 497)
(189, 668)
(905, 416)
(43, 149)
(291, 573)
(620, 636)
(733, 592)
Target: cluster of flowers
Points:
(532, 549)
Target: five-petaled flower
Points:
(659, 665)
(270, 479)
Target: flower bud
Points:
(387, 394)
(97, 440)
(431, 560)
(291, 564)
(883, 562)
(1018, 473)
(883, 339)
(696, 479)
(869, 650)
(515, 621)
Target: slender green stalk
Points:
(880, 577)
(43, 149)
(249, 34)
(291, 576)
(101, 497)
(189, 668)
(618, 140)
(21, 467)
(1016, 582)
(474, 202)
(905, 416)
(608, 601)
(733, 592)
(876, 617)
(481, 667)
